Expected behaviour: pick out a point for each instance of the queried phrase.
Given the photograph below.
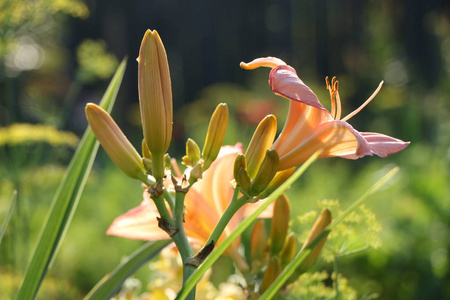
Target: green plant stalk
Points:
(290, 268)
(158, 166)
(8, 215)
(169, 199)
(234, 205)
(110, 284)
(65, 201)
(162, 209)
(181, 241)
(336, 280)
(223, 246)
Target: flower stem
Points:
(181, 241)
(234, 205)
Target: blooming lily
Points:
(311, 127)
(205, 203)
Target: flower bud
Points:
(215, 135)
(272, 272)
(261, 141)
(155, 98)
(288, 252)
(258, 241)
(115, 143)
(277, 180)
(244, 181)
(266, 172)
(321, 223)
(192, 153)
(239, 163)
(280, 224)
(145, 151)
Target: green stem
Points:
(162, 209)
(234, 205)
(169, 199)
(336, 282)
(181, 241)
(158, 165)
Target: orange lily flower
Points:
(311, 127)
(205, 203)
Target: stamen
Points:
(350, 115)
(338, 100)
(333, 104)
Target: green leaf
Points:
(110, 284)
(66, 200)
(293, 265)
(8, 215)
(209, 261)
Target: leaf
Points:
(8, 215)
(209, 261)
(66, 200)
(110, 284)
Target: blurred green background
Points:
(56, 55)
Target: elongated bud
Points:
(155, 98)
(280, 224)
(215, 135)
(272, 272)
(321, 223)
(288, 251)
(195, 173)
(192, 153)
(244, 181)
(115, 143)
(239, 163)
(145, 151)
(258, 241)
(261, 141)
(266, 172)
(277, 180)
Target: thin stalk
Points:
(234, 205)
(181, 240)
(158, 165)
(169, 199)
(336, 280)
(162, 209)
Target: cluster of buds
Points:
(256, 172)
(271, 253)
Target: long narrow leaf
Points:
(8, 215)
(111, 283)
(65, 201)
(298, 259)
(211, 259)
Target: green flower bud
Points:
(192, 153)
(266, 172)
(261, 141)
(215, 135)
(277, 180)
(280, 224)
(272, 272)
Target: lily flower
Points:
(311, 127)
(205, 203)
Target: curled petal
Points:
(285, 82)
(269, 62)
(380, 144)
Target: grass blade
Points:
(65, 201)
(110, 284)
(292, 266)
(211, 259)
(8, 215)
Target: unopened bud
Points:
(266, 172)
(280, 224)
(321, 223)
(115, 143)
(239, 163)
(145, 151)
(258, 241)
(277, 180)
(288, 252)
(192, 153)
(155, 93)
(195, 173)
(244, 181)
(215, 135)
(272, 272)
(261, 141)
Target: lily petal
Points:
(381, 145)
(285, 82)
